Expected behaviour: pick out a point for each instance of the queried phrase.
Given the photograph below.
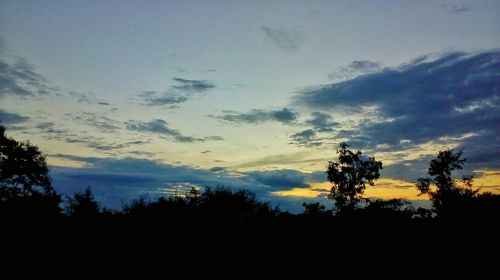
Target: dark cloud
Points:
(100, 144)
(288, 40)
(213, 138)
(87, 98)
(456, 96)
(177, 94)
(461, 8)
(2, 45)
(115, 181)
(97, 120)
(217, 169)
(7, 118)
(52, 131)
(319, 123)
(192, 85)
(19, 78)
(305, 138)
(161, 127)
(257, 116)
(281, 179)
(322, 122)
(356, 68)
(152, 98)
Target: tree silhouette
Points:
(349, 175)
(393, 211)
(22, 167)
(448, 198)
(82, 206)
(25, 187)
(315, 209)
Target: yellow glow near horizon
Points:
(55, 161)
(392, 188)
(489, 181)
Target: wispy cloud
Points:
(179, 93)
(288, 40)
(152, 98)
(319, 123)
(19, 78)
(97, 120)
(305, 138)
(461, 8)
(356, 68)
(161, 127)
(322, 122)
(192, 85)
(257, 116)
(86, 98)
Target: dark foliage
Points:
(349, 175)
(26, 193)
(212, 205)
(451, 200)
(26, 196)
(83, 207)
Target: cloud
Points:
(111, 146)
(257, 116)
(51, 131)
(461, 8)
(318, 123)
(282, 179)
(119, 180)
(356, 68)
(288, 40)
(217, 169)
(87, 98)
(152, 98)
(161, 127)
(19, 78)
(272, 161)
(177, 94)
(305, 138)
(192, 85)
(7, 118)
(455, 96)
(2, 45)
(98, 120)
(322, 122)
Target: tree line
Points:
(27, 196)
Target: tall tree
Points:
(350, 174)
(448, 198)
(83, 206)
(23, 169)
(25, 187)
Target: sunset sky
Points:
(152, 97)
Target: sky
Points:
(152, 97)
